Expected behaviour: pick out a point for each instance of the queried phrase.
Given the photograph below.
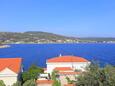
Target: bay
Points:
(39, 53)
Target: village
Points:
(57, 42)
(59, 70)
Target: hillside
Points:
(45, 37)
(34, 37)
(98, 39)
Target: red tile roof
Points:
(70, 73)
(13, 64)
(44, 81)
(69, 85)
(67, 59)
(63, 69)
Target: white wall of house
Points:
(75, 65)
(8, 76)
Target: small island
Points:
(4, 46)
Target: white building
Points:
(44, 80)
(10, 69)
(67, 66)
(75, 62)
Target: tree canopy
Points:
(30, 83)
(18, 83)
(54, 77)
(96, 76)
(31, 73)
(2, 83)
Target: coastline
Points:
(59, 43)
(4, 46)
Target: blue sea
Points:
(39, 53)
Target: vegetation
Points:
(29, 77)
(2, 83)
(18, 83)
(55, 77)
(1, 42)
(69, 81)
(30, 83)
(32, 73)
(33, 37)
(45, 37)
(96, 76)
(98, 39)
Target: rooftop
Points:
(69, 85)
(63, 69)
(44, 81)
(70, 73)
(13, 64)
(67, 59)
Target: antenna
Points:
(72, 63)
(60, 55)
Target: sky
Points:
(79, 18)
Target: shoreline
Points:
(4, 46)
(58, 43)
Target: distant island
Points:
(45, 37)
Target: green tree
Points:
(96, 76)
(32, 73)
(55, 78)
(26, 76)
(30, 83)
(18, 83)
(2, 83)
(69, 81)
(110, 72)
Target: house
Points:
(69, 85)
(67, 67)
(10, 69)
(74, 62)
(66, 72)
(44, 82)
